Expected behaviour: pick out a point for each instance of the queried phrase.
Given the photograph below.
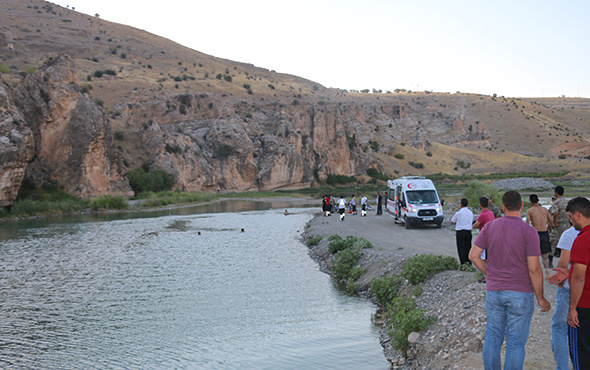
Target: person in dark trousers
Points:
(379, 204)
(464, 221)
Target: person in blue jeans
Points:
(513, 278)
(559, 325)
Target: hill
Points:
(220, 125)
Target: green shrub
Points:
(374, 173)
(334, 237)
(315, 241)
(223, 151)
(109, 202)
(4, 68)
(141, 180)
(399, 156)
(340, 244)
(374, 146)
(385, 289)
(405, 318)
(419, 267)
(467, 267)
(344, 262)
(417, 165)
(361, 243)
(478, 189)
(339, 179)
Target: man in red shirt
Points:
(579, 314)
(485, 216)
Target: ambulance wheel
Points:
(407, 222)
(439, 225)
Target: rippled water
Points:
(152, 293)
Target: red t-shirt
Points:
(581, 254)
(484, 217)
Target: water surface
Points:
(152, 293)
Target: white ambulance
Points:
(414, 200)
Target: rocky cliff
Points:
(16, 148)
(53, 132)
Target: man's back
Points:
(509, 241)
(538, 217)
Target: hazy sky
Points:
(513, 48)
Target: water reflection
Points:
(10, 229)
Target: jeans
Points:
(509, 314)
(559, 327)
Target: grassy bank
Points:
(52, 200)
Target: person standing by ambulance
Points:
(464, 221)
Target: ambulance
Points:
(413, 200)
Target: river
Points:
(176, 289)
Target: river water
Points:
(146, 291)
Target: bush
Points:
(339, 179)
(157, 180)
(351, 242)
(385, 289)
(343, 263)
(223, 151)
(374, 146)
(405, 318)
(419, 267)
(109, 202)
(315, 241)
(399, 156)
(478, 189)
(374, 173)
(417, 165)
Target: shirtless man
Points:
(540, 218)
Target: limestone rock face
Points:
(211, 143)
(73, 142)
(16, 149)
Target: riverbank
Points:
(455, 297)
(137, 206)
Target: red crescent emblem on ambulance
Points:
(412, 185)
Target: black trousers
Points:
(579, 340)
(463, 245)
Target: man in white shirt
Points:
(364, 205)
(342, 207)
(464, 221)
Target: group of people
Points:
(342, 206)
(508, 250)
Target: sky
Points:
(521, 48)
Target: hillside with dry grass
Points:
(173, 108)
